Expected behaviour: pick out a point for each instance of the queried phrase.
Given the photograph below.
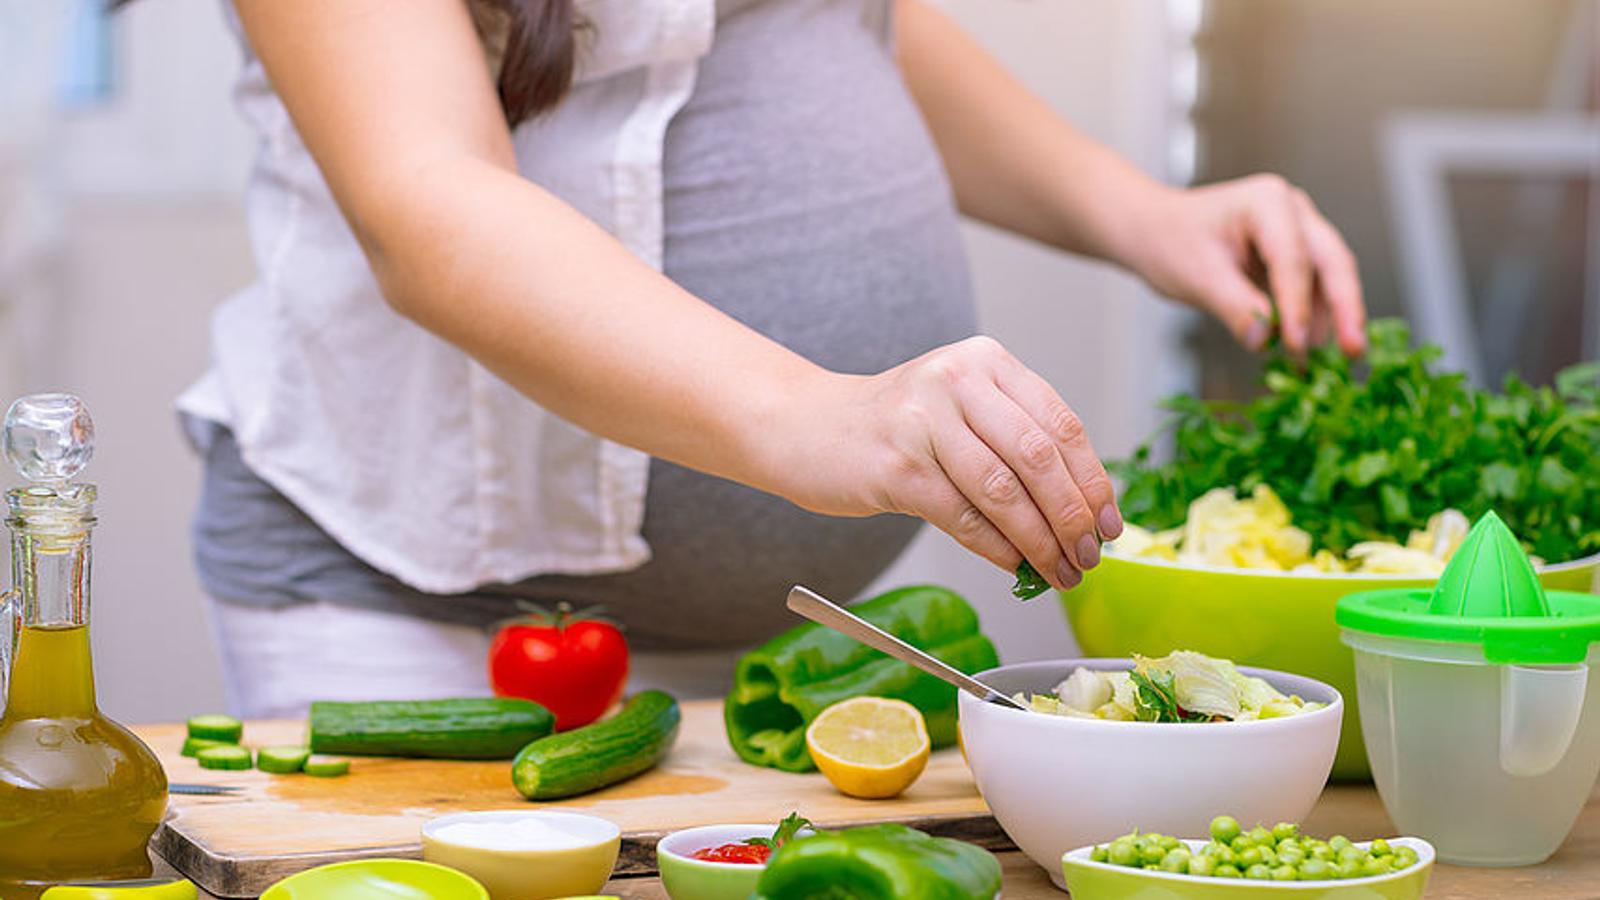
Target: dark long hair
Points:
(537, 57)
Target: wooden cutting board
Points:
(238, 845)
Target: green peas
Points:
(1375, 865)
(1315, 869)
(1224, 829)
(1280, 853)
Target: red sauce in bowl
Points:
(744, 854)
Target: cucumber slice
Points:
(228, 756)
(216, 728)
(326, 766)
(193, 746)
(282, 760)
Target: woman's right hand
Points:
(971, 440)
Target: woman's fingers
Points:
(1033, 457)
(949, 510)
(1275, 231)
(986, 451)
(1040, 402)
(994, 488)
(1338, 277)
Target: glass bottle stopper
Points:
(49, 437)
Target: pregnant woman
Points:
(659, 304)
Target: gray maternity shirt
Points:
(803, 197)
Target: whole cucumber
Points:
(466, 728)
(594, 756)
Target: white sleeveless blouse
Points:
(398, 444)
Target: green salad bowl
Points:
(1103, 881)
(378, 879)
(1274, 620)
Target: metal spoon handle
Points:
(827, 613)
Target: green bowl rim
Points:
(364, 863)
(1425, 858)
(1108, 553)
(760, 830)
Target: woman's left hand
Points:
(1243, 249)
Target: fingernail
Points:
(1067, 575)
(1255, 337)
(1088, 552)
(1110, 522)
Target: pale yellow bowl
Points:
(531, 874)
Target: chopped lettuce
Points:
(1183, 686)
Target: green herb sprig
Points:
(1030, 583)
(1368, 451)
(787, 829)
(1155, 699)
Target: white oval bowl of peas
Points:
(1058, 782)
(1335, 869)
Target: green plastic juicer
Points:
(1479, 702)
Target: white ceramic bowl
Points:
(528, 874)
(1055, 783)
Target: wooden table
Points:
(1572, 874)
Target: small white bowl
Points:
(528, 874)
(1056, 782)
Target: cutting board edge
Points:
(242, 877)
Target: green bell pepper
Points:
(781, 686)
(879, 862)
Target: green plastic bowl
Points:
(1103, 881)
(1274, 620)
(378, 879)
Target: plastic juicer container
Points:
(1480, 703)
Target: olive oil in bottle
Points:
(79, 794)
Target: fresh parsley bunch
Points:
(1369, 450)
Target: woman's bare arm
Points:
(394, 101)
(1015, 164)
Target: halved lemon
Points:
(869, 747)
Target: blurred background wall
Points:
(121, 228)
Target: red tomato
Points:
(746, 854)
(573, 666)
